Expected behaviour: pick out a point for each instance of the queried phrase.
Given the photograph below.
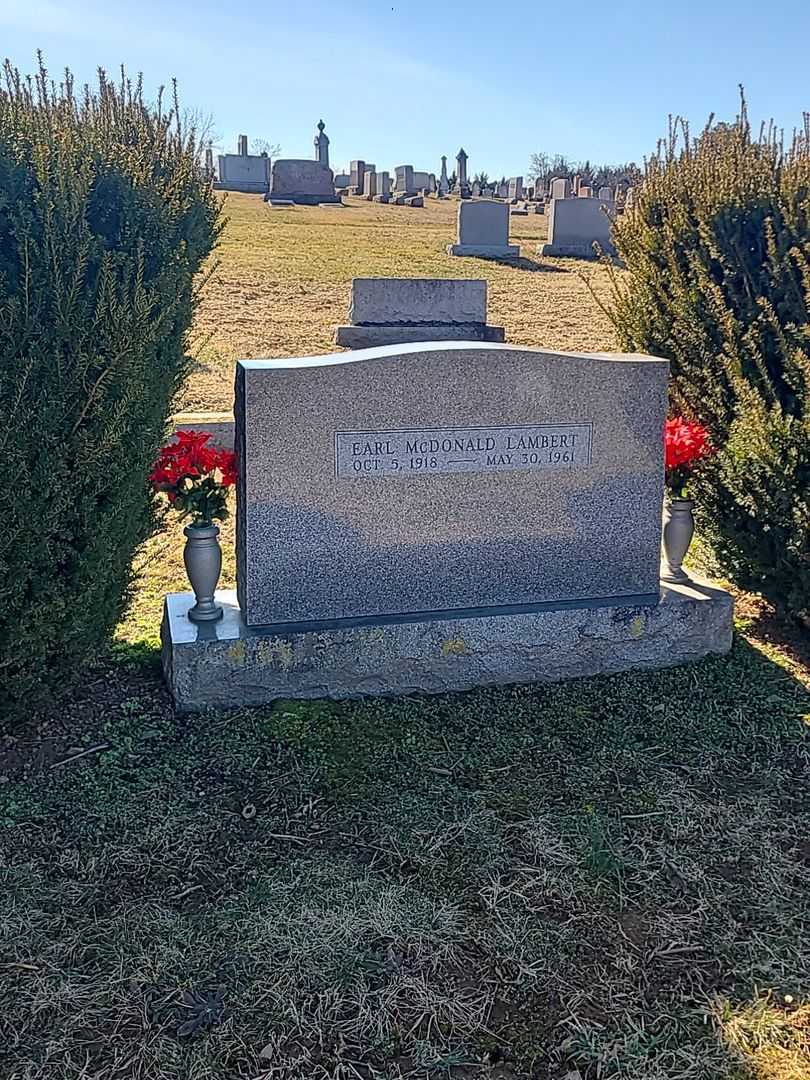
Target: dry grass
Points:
(284, 280)
(601, 879)
(605, 878)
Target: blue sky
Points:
(405, 83)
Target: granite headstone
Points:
(302, 181)
(575, 225)
(483, 230)
(412, 480)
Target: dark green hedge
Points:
(717, 249)
(105, 218)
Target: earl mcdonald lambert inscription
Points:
(420, 451)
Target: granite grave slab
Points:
(385, 311)
(575, 225)
(483, 230)
(446, 477)
(302, 181)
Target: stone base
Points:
(382, 198)
(573, 251)
(485, 251)
(219, 425)
(302, 199)
(228, 665)
(415, 200)
(519, 212)
(245, 187)
(368, 337)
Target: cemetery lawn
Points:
(282, 283)
(603, 878)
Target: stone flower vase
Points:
(678, 530)
(203, 558)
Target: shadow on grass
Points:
(533, 267)
(544, 878)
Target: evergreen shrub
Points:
(717, 251)
(105, 219)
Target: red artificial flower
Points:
(685, 443)
(195, 475)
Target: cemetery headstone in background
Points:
(357, 171)
(322, 146)
(483, 230)
(387, 311)
(248, 173)
(575, 225)
(301, 181)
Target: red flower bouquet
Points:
(195, 476)
(685, 443)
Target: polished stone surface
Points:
(227, 664)
(575, 225)
(302, 181)
(483, 230)
(313, 546)
(384, 300)
(249, 173)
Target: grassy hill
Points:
(283, 278)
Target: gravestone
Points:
(370, 185)
(444, 183)
(561, 188)
(483, 230)
(574, 226)
(555, 439)
(516, 187)
(209, 160)
(386, 311)
(248, 173)
(462, 184)
(242, 146)
(421, 181)
(342, 180)
(584, 192)
(440, 516)
(476, 189)
(605, 194)
(357, 171)
(302, 181)
(384, 183)
(403, 180)
(322, 146)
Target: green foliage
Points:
(718, 253)
(105, 218)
